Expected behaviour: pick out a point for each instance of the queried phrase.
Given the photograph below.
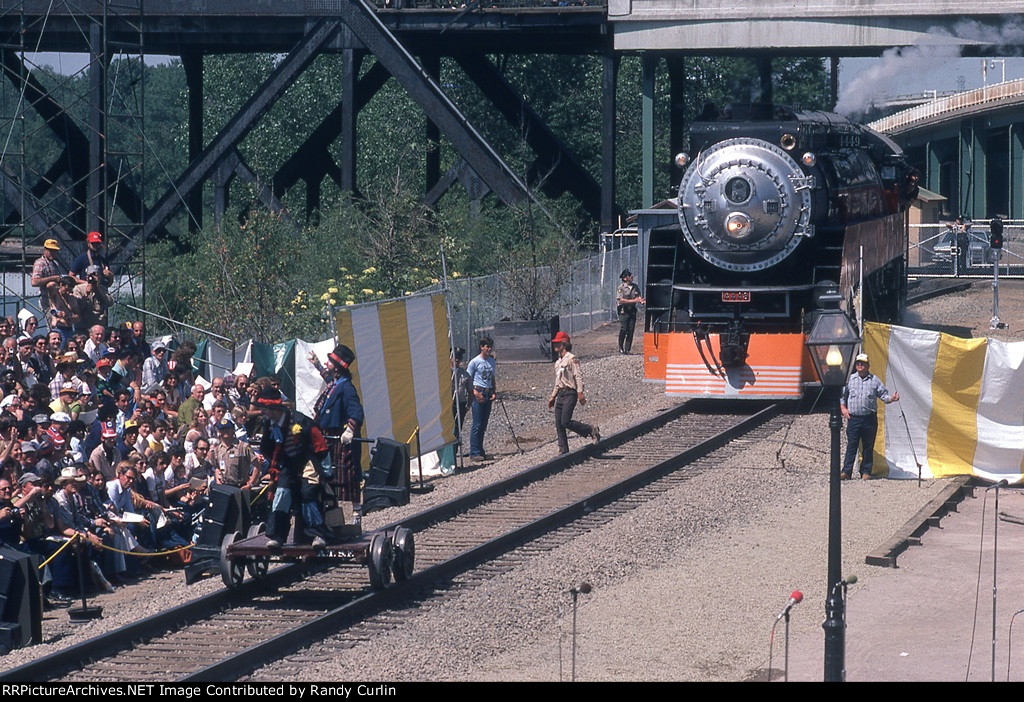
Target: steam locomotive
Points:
(775, 208)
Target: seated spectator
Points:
(93, 301)
(43, 368)
(188, 408)
(29, 324)
(138, 342)
(72, 521)
(105, 458)
(200, 428)
(38, 522)
(198, 461)
(95, 345)
(67, 401)
(64, 310)
(154, 370)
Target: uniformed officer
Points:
(233, 460)
(340, 418)
(627, 298)
(289, 442)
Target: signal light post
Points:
(995, 243)
(832, 342)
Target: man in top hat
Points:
(339, 415)
(290, 442)
(858, 405)
(627, 298)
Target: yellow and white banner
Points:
(402, 369)
(961, 408)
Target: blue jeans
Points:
(481, 414)
(860, 432)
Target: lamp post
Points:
(831, 343)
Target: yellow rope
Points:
(145, 555)
(57, 552)
(259, 494)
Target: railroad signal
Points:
(995, 239)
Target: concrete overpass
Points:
(824, 27)
(969, 146)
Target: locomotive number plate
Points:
(736, 296)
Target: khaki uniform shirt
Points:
(568, 374)
(233, 463)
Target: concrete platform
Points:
(915, 622)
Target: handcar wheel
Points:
(232, 570)
(379, 562)
(404, 553)
(257, 565)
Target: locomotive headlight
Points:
(681, 160)
(809, 159)
(737, 225)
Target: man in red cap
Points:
(93, 256)
(567, 392)
(289, 443)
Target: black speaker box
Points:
(389, 464)
(21, 605)
(227, 513)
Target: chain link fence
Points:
(938, 250)
(584, 301)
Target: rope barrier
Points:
(147, 554)
(260, 494)
(57, 552)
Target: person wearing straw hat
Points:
(567, 392)
(859, 407)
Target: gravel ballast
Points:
(685, 587)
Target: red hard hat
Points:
(560, 338)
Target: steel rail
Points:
(110, 643)
(248, 660)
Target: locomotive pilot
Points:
(339, 417)
(289, 443)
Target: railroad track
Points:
(229, 634)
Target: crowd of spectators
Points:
(113, 441)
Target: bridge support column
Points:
(933, 167)
(648, 67)
(973, 168)
(96, 211)
(432, 65)
(1016, 171)
(610, 70)
(192, 62)
(351, 60)
(676, 116)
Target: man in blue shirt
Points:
(481, 370)
(858, 405)
(339, 414)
